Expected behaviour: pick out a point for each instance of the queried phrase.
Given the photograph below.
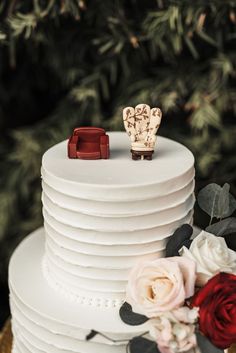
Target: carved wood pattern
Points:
(142, 123)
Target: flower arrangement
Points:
(187, 300)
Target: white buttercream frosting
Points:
(49, 320)
(101, 217)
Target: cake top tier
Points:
(170, 169)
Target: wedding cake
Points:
(68, 280)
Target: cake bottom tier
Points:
(45, 321)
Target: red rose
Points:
(217, 309)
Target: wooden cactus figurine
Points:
(141, 123)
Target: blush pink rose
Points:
(160, 285)
(174, 331)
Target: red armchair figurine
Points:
(89, 143)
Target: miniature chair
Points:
(141, 123)
(88, 143)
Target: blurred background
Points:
(68, 63)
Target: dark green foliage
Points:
(225, 227)
(69, 63)
(206, 346)
(142, 345)
(180, 238)
(129, 317)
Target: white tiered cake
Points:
(101, 217)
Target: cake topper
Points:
(141, 124)
(89, 143)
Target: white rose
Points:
(211, 255)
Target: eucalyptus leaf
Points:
(208, 199)
(216, 201)
(129, 317)
(142, 345)
(232, 204)
(223, 203)
(180, 237)
(206, 346)
(224, 227)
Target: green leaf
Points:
(223, 204)
(105, 47)
(206, 346)
(207, 38)
(2, 36)
(232, 204)
(206, 114)
(224, 227)
(23, 23)
(180, 238)
(129, 317)
(191, 47)
(216, 201)
(142, 345)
